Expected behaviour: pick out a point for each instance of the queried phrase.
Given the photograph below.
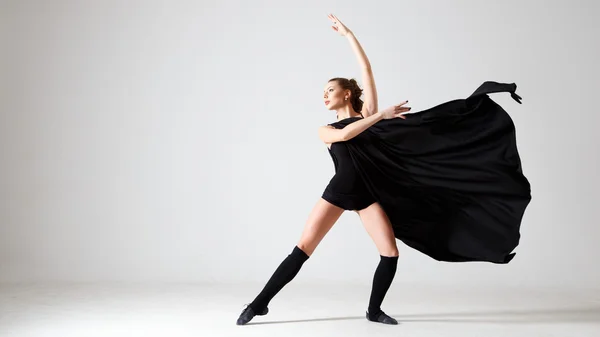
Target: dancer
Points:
(446, 181)
(344, 192)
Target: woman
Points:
(344, 192)
(447, 181)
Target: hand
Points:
(395, 111)
(338, 26)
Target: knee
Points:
(390, 252)
(306, 247)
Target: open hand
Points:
(338, 26)
(395, 111)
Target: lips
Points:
(326, 102)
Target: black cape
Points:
(449, 177)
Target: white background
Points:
(150, 141)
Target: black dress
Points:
(449, 177)
(346, 189)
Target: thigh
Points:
(322, 217)
(379, 227)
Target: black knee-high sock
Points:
(286, 271)
(384, 274)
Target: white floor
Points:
(173, 310)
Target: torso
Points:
(329, 144)
(346, 189)
(346, 178)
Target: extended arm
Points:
(329, 134)
(370, 105)
(369, 89)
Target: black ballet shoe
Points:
(248, 314)
(382, 317)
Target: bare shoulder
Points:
(327, 127)
(330, 134)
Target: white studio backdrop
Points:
(176, 141)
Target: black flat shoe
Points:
(248, 314)
(382, 317)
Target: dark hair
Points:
(355, 91)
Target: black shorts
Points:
(350, 202)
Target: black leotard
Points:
(346, 189)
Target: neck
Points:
(346, 112)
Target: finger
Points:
(336, 19)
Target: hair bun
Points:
(355, 87)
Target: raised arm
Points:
(370, 105)
(329, 134)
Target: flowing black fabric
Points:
(449, 177)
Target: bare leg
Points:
(321, 219)
(380, 229)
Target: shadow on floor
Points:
(527, 316)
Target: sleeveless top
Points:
(346, 188)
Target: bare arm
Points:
(354, 129)
(370, 105)
(329, 134)
(368, 80)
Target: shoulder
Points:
(330, 126)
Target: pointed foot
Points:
(381, 317)
(248, 314)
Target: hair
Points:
(355, 92)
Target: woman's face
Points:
(334, 95)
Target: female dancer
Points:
(346, 191)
